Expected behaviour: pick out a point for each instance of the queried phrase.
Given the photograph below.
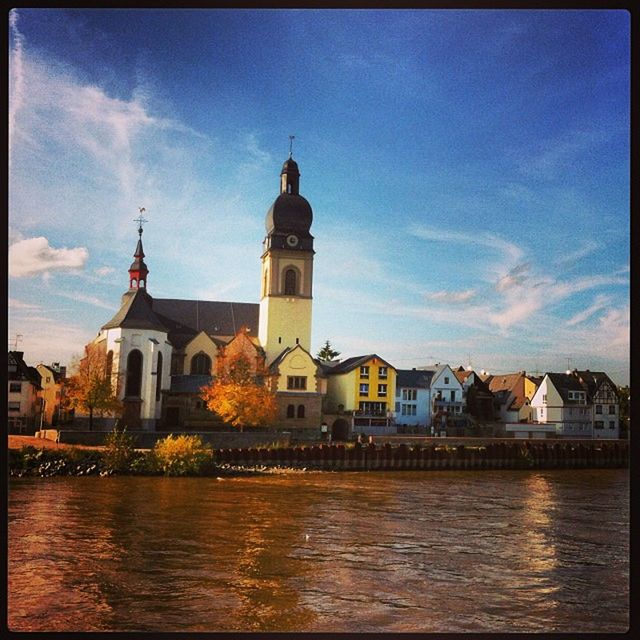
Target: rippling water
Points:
(420, 552)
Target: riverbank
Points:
(45, 461)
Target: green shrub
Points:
(181, 455)
(119, 451)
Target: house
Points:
(478, 396)
(603, 398)
(360, 395)
(562, 400)
(164, 350)
(24, 399)
(447, 403)
(52, 378)
(512, 394)
(413, 398)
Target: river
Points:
(437, 551)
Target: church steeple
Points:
(138, 270)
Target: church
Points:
(161, 352)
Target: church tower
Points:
(287, 269)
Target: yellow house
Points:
(363, 385)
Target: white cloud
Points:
(104, 271)
(34, 256)
(599, 303)
(588, 248)
(515, 278)
(18, 305)
(451, 297)
(80, 297)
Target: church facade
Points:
(161, 352)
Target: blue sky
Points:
(468, 172)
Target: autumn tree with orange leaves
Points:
(90, 389)
(238, 394)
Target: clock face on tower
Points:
(292, 241)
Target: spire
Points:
(290, 176)
(138, 270)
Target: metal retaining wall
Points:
(501, 455)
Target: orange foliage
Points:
(238, 393)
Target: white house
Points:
(562, 400)
(446, 398)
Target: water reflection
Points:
(432, 552)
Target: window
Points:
(544, 399)
(382, 373)
(290, 285)
(598, 409)
(13, 368)
(409, 394)
(296, 382)
(364, 372)
(14, 406)
(599, 424)
(397, 407)
(382, 389)
(364, 389)
(48, 379)
(134, 374)
(612, 409)
(300, 411)
(158, 377)
(201, 364)
(446, 380)
(453, 395)
(109, 365)
(15, 387)
(612, 425)
(291, 411)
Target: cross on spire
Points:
(291, 138)
(140, 220)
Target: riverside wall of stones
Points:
(387, 457)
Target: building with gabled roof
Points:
(24, 401)
(562, 400)
(512, 394)
(361, 392)
(413, 394)
(602, 395)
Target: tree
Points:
(327, 353)
(90, 388)
(238, 393)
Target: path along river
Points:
(434, 551)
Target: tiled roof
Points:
(351, 363)
(564, 383)
(413, 378)
(136, 312)
(592, 380)
(186, 318)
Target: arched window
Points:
(201, 364)
(159, 377)
(109, 366)
(291, 411)
(290, 284)
(134, 374)
(300, 411)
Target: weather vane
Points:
(291, 145)
(140, 220)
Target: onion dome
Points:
(290, 212)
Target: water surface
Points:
(433, 551)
